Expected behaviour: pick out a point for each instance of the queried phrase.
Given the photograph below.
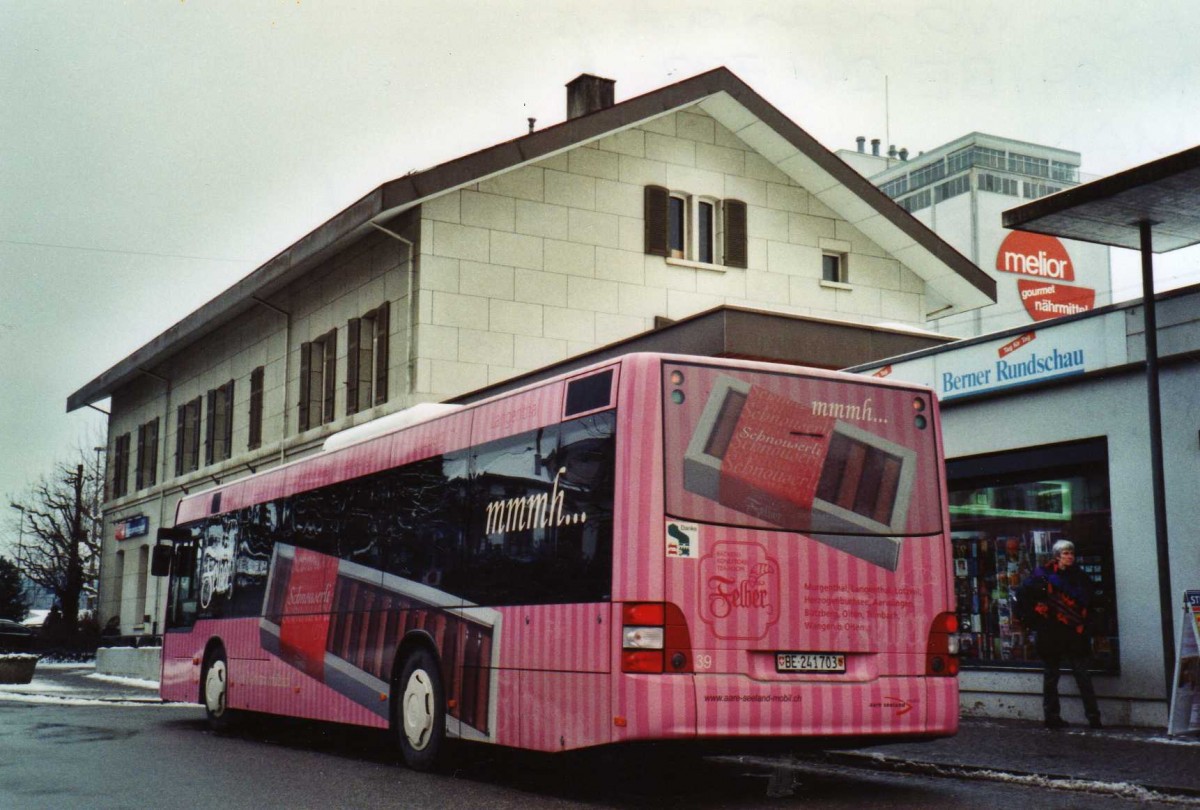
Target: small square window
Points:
(833, 267)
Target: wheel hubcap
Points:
(214, 688)
(418, 709)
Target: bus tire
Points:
(420, 720)
(214, 690)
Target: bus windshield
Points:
(799, 453)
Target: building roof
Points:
(896, 168)
(1109, 211)
(747, 334)
(719, 93)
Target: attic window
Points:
(833, 268)
(695, 228)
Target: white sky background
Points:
(154, 152)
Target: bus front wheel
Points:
(215, 682)
(420, 712)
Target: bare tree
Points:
(59, 546)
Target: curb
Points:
(881, 762)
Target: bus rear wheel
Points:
(214, 680)
(420, 720)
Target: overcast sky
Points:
(155, 152)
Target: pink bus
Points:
(656, 547)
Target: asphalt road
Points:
(139, 756)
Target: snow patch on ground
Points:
(140, 683)
(7, 696)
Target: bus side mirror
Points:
(160, 561)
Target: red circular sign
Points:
(1032, 254)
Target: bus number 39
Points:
(703, 662)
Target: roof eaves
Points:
(298, 258)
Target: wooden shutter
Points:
(227, 435)
(305, 373)
(330, 341)
(121, 466)
(736, 249)
(141, 457)
(256, 408)
(210, 427)
(193, 414)
(382, 338)
(151, 474)
(353, 332)
(656, 202)
(180, 420)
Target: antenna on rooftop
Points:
(887, 112)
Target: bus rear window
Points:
(808, 454)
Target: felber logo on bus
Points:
(739, 590)
(1033, 254)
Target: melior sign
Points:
(1032, 254)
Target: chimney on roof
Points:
(875, 147)
(904, 153)
(892, 151)
(862, 144)
(587, 94)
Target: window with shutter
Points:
(366, 360)
(187, 437)
(697, 229)
(318, 371)
(219, 429)
(147, 454)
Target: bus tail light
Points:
(654, 638)
(941, 655)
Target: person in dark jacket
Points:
(1055, 599)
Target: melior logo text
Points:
(1032, 254)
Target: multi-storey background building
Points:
(960, 189)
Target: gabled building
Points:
(566, 241)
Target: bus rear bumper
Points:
(737, 706)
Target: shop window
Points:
(1006, 512)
